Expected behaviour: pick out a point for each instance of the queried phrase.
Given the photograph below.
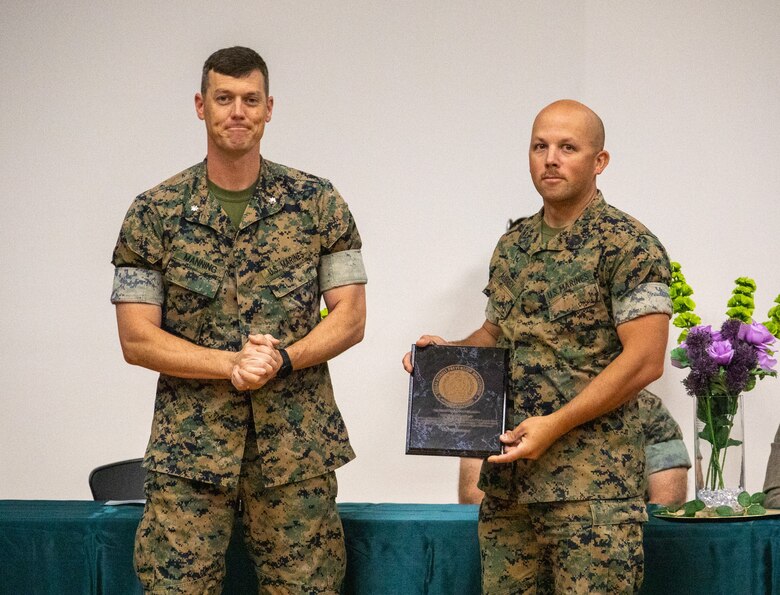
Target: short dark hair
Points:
(236, 62)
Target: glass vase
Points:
(719, 447)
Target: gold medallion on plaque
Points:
(458, 386)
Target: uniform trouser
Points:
(592, 546)
(292, 532)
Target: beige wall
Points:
(419, 112)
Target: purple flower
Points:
(698, 337)
(766, 361)
(730, 329)
(756, 334)
(738, 371)
(721, 352)
(703, 367)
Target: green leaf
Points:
(680, 355)
(755, 509)
(743, 499)
(699, 505)
(690, 509)
(758, 498)
(724, 510)
(706, 436)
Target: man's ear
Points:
(199, 106)
(602, 160)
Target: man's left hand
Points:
(529, 440)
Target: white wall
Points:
(420, 113)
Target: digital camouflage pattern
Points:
(558, 307)
(216, 286)
(293, 535)
(560, 547)
(664, 446)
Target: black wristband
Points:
(286, 367)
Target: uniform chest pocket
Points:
(501, 297)
(192, 284)
(580, 299)
(297, 288)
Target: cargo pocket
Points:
(617, 560)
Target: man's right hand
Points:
(423, 341)
(256, 363)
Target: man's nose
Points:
(551, 156)
(237, 108)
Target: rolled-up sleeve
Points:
(666, 455)
(341, 261)
(341, 268)
(132, 284)
(640, 282)
(137, 257)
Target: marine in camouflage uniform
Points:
(276, 446)
(558, 307)
(585, 315)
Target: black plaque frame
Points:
(469, 425)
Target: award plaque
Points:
(457, 401)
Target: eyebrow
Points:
(564, 141)
(229, 92)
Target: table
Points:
(62, 547)
(81, 547)
(731, 556)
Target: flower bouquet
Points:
(723, 364)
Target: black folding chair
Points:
(123, 480)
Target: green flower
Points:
(682, 304)
(773, 324)
(741, 304)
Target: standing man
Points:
(219, 274)
(579, 294)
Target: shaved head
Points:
(568, 108)
(565, 156)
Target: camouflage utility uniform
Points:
(664, 446)
(217, 285)
(572, 520)
(772, 478)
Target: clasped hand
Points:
(256, 363)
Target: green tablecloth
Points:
(713, 557)
(62, 547)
